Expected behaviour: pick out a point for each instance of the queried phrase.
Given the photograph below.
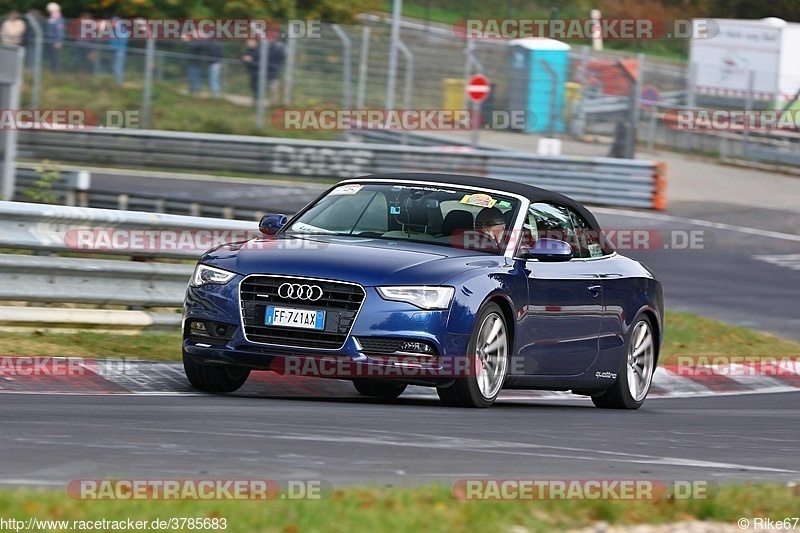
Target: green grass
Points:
(146, 345)
(686, 335)
(171, 108)
(430, 508)
(670, 49)
(691, 335)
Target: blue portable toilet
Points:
(531, 86)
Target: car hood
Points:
(369, 262)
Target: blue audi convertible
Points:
(470, 285)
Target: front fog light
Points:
(197, 328)
(416, 347)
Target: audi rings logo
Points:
(296, 291)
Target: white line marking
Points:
(697, 222)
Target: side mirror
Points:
(270, 224)
(548, 251)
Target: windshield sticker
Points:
(503, 203)
(346, 190)
(481, 200)
(421, 188)
(595, 250)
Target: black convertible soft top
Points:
(532, 193)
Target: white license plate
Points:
(294, 318)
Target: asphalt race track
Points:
(745, 272)
(50, 440)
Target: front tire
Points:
(636, 370)
(489, 349)
(214, 378)
(379, 389)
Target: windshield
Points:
(443, 215)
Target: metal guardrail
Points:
(103, 282)
(603, 181)
(32, 278)
(65, 192)
(52, 228)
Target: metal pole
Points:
(580, 126)
(651, 137)
(691, 101)
(409, 81)
(347, 65)
(748, 106)
(263, 50)
(160, 67)
(633, 103)
(37, 59)
(363, 64)
(635, 94)
(10, 154)
(391, 77)
(288, 75)
(638, 88)
(147, 94)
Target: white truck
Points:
(724, 53)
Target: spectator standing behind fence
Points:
(196, 51)
(276, 57)
(13, 29)
(250, 58)
(54, 36)
(214, 53)
(119, 47)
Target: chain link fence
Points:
(614, 98)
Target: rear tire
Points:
(379, 389)
(635, 372)
(214, 378)
(489, 349)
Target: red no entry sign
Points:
(478, 88)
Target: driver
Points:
(491, 224)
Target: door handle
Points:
(595, 289)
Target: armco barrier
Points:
(78, 280)
(598, 180)
(53, 228)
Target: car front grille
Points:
(341, 302)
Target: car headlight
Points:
(204, 274)
(423, 297)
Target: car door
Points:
(561, 324)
